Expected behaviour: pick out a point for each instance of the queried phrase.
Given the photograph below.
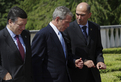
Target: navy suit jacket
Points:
(90, 49)
(48, 59)
(10, 58)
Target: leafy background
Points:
(104, 12)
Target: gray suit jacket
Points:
(90, 49)
(10, 58)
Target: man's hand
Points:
(101, 65)
(79, 63)
(89, 63)
(7, 77)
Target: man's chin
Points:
(78, 21)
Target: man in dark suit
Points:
(49, 55)
(85, 43)
(15, 49)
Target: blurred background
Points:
(104, 12)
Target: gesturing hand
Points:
(101, 65)
(79, 63)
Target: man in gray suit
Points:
(15, 49)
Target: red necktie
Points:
(21, 49)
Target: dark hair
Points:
(16, 12)
(88, 8)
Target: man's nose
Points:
(79, 16)
(23, 27)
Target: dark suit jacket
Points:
(90, 49)
(10, 58)
(48, 60)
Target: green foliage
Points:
(5, 5)
(112, 73)
(42, 13)
(104, 12)
(115, 17)
(100, 10)
(112, 62)
(112, 51)
(111, 77)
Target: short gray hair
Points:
(61, 12)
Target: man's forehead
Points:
(80, 12)
(80, 6)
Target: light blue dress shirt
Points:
(86, 28)
(14, 39)
(58, 33)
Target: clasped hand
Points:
(79, 63)
(7, 77)
(90, 64)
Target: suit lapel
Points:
(56, 40)
(90, 31)
(24, 37)
(78, 31)
(9, 41)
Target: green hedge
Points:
(112, 58)
(113, 63)
(112, 50)
(111, 77)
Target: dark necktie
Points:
(84, 31)
(21, 49)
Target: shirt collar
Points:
(84, 25)
(54, 28)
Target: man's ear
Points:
(57, 19)
(90, 15)
(10, 21)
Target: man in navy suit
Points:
(49, 52)
(15, 59)
(84, 40)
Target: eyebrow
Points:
(80, 14)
